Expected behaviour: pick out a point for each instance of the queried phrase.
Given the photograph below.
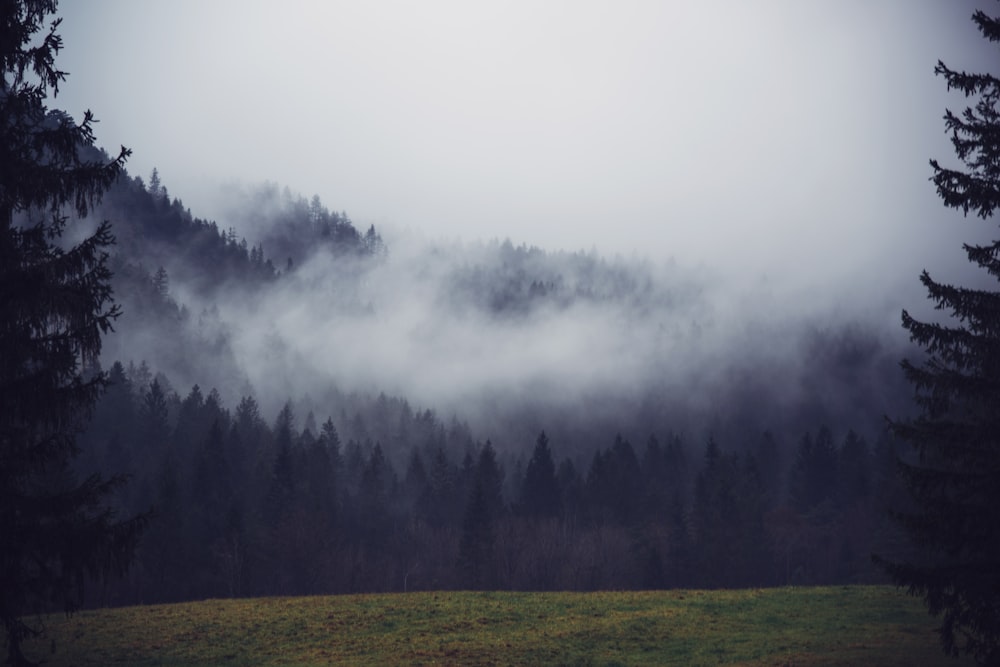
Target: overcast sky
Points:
(790, 137)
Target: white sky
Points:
(786, 136)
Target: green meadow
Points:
(852, 625)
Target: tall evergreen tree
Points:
(442, 504)
(540, 489)
(953, 474)
(813, 478)
(55, 305)
(154, 419)
(281, 491)
(483, 509)
(854, 468)
(373, 495)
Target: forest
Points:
(285, 405)
(332, 489)
(247, 507)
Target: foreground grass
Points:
(790, 626)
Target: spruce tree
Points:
(55, 305)
(953, 472)
(540, 488)
(483, 509)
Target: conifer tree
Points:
(540, 488)
(484, 507)
(953, 474)
(55, 305)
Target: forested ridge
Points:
(351, 490)
(282, 404)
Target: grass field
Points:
(788, 626)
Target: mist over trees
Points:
(312, 408)
(712, 449)
(502, 335)
(344, 413)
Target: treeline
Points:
(292, 227)
(507, 280)
(155, 230)
(379, 497)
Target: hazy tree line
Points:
(156, 231)
(381, 497)
(378, 496)
(387, 498)
(171, 268)
(511, 280)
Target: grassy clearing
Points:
(791, 626)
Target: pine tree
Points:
(161, 282)
(55, 305)
(953, 473)
(483, 509)
(813, 478)
(281, 491)
(540, 489)
(442, 504)
(155, 186)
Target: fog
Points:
(782, 138)
(755, 173)
(514, 339)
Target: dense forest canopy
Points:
(344, 413)
(495, 333)
(278, 402)
(315, 409)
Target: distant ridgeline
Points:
(161, 246)
(509, 280)
(746, 470)
(156, 231)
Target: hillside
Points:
(263, 431)
(286, 299)
(379, 415)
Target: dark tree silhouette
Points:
(813, 477)
(953, 475)
(484, 507)
(540, 489)
(55, 305)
